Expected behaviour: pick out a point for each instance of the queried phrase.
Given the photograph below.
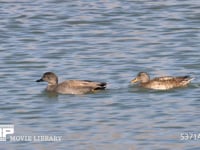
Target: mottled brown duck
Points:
(161, 83)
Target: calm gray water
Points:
(108, 40)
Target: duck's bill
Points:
(134, 80)
(40, 80)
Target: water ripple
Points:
(105, 41)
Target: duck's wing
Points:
(174, 79)
(165, 78)
(77, 84)
(168, 82)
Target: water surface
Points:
(105, 41)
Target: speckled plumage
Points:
(161, 83)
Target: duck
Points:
(161, 83)
(70, 86)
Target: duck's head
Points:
(142, 77)
(49, 77)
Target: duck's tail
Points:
(186, 80)
(101, 86)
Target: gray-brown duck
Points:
(70, 86)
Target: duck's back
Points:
(79, 86)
